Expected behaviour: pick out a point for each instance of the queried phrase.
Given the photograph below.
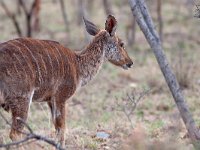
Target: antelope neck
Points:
(91, 58)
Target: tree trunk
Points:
(64, 14)
(28, 25)
(81, 12)
(36, 23)
(145, 23)
(18, 7)
(107, 7)
(130, 32)
(159, 16)
(90, 5)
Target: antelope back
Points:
(28, 63)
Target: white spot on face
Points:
(112, 52)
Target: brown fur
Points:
(42, 70)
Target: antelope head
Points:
(114, 47)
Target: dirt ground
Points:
(104, 106)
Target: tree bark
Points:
(29, 15)
(36, 15)
(130, 32)
(107, 7)
(64, 14)
(90, 6)
(145, 23)
(160, 20)
(81, 12)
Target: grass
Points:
(156, 118)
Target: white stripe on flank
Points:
(60, 59)
(50, 61)
(31, 99)
(19, 61)
(54, 110)
(37, 65)
(56, 59)
(18, 48)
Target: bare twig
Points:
(28, 14)
(34, 10)
(64, 14)
(131, 32)
(29, 136)
(131, 102)
(36, 19)
(16, 143)
(12, 16)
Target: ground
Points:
(99, 107)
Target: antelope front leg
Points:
(60, 123)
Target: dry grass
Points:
(156, 122)
(183, 65)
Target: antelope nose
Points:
(130, 64)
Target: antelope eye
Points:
(121, 44)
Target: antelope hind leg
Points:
(19, 108)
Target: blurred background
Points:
(130, 109)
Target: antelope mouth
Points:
(127, 66)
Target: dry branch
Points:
(130, 32)
(145, 23)
(64, 14)
(36, 19)
(12, 16)
(131, 101)
(28, 15)
(30, 135)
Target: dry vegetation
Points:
(155, 123)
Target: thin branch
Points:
(131, 103)
(36, 23)
(136, 101)
(26, 125)
(64, 14)
(12, 17)
(4, 118)
(29, 136)
(16, 143)
(21, 2)
(7, 122)
(28, 14)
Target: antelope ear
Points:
(111, 25)
(91, 28)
